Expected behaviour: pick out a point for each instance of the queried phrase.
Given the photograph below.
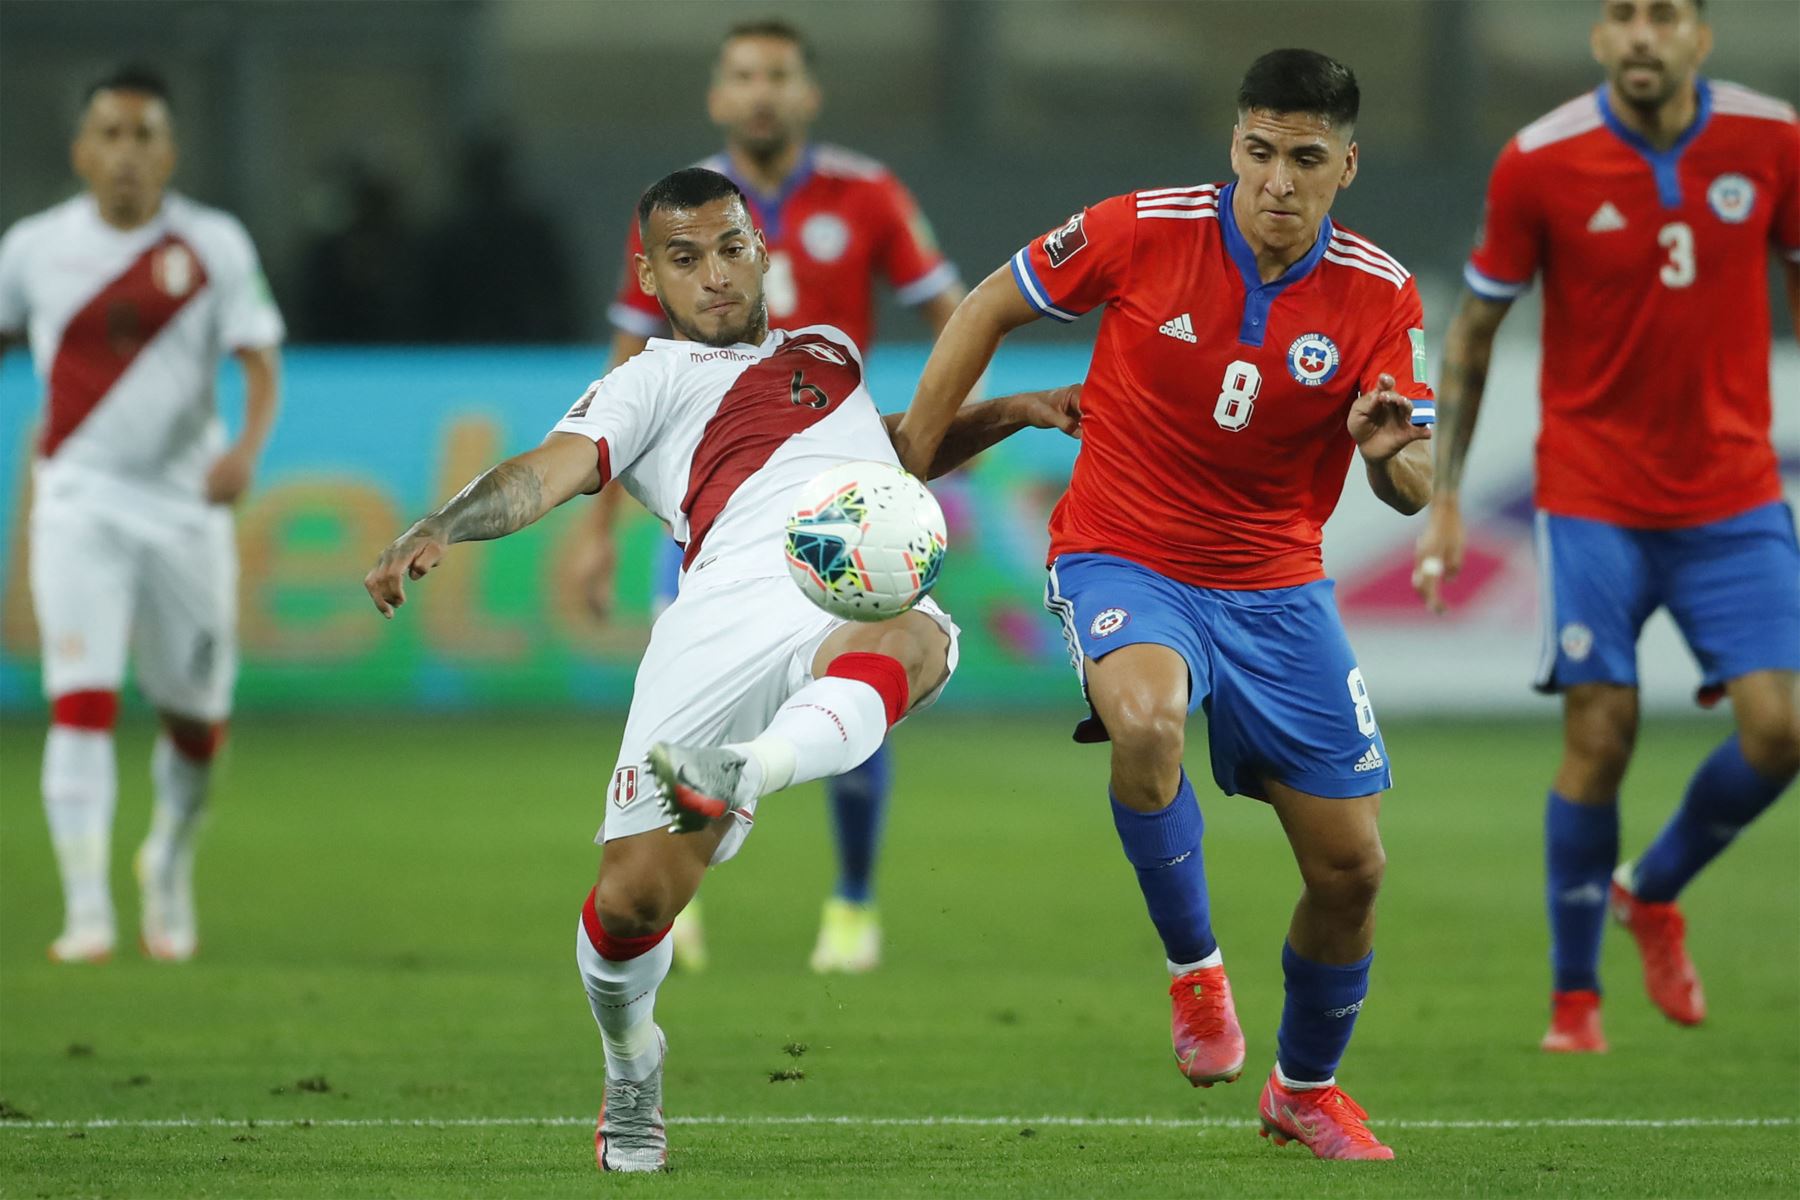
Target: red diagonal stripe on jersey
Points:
(105, 337)
(785, 394)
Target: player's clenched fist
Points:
(411, 555)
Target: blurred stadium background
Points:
(439, 190)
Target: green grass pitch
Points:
(386, 1002)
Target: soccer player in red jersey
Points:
(1648, 206)
(1248, 351)
(834, 222)
(129, 295)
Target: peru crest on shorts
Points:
(624, 787)
(1312, 359)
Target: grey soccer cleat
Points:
(696, 784)
(630, 1135)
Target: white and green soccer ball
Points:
(865, 541)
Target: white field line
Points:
(1198, 1123)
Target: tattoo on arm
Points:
(501, 500)
(1467, 353)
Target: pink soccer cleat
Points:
(1661, 936)
(1209, 1043)
(1323, 1119)
(1574, 1024)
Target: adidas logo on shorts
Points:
(1179, 327)
(1370, 761)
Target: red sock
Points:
(879, 671)
(617, 949)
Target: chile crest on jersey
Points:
(1312, 359)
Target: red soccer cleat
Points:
(1574, 1024)
(1324, 1120)
(1661, 936)
(1209, 1044)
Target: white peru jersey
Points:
(127, 329)
(718, 441)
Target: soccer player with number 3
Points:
(1649, 205)
(1248, 350)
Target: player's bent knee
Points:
(1346, 881)
(1149, 733)
(632, 906)
(1772, 746)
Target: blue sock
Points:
(858, 811)
(1319, 1014)
(1164, 847)
(1726, 794)
(1581, 847)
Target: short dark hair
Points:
(771, 27)
(1301, 81)
(131, 77)
(689, 187)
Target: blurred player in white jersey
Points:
(130, 295)
(836, 224)
(746, 688)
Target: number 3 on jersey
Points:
(1237, 395)
(1677, 238)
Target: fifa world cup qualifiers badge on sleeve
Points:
(865, 541)
(1424, 411)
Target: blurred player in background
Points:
(834, 222)
(130, 294)
(1249, 350)
(746, 688)
(1649, 206)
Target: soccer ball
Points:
(865, 541)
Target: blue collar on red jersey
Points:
(768, 208)
(1259, 297)
(1666, 164)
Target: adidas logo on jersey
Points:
(1606, 219)
(1370, 761)
(1179, 327)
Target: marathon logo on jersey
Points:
(624, 787)
(1108, 622)
(1312, 359)
(1731, 197)
(1066, 242)
(824, 352)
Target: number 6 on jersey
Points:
(1237, 395)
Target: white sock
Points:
(181, 787)
(623, 998)
(826, 728)
(1300, 1085)
(80, 785)
(1215, 959)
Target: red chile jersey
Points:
(839, 221)
(1213, 439)
(1655, 379)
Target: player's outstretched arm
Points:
(977, 426)
(1468, 348)
(501, 500)
(987, 314)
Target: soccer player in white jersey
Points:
(129, 295)
(745, 688)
